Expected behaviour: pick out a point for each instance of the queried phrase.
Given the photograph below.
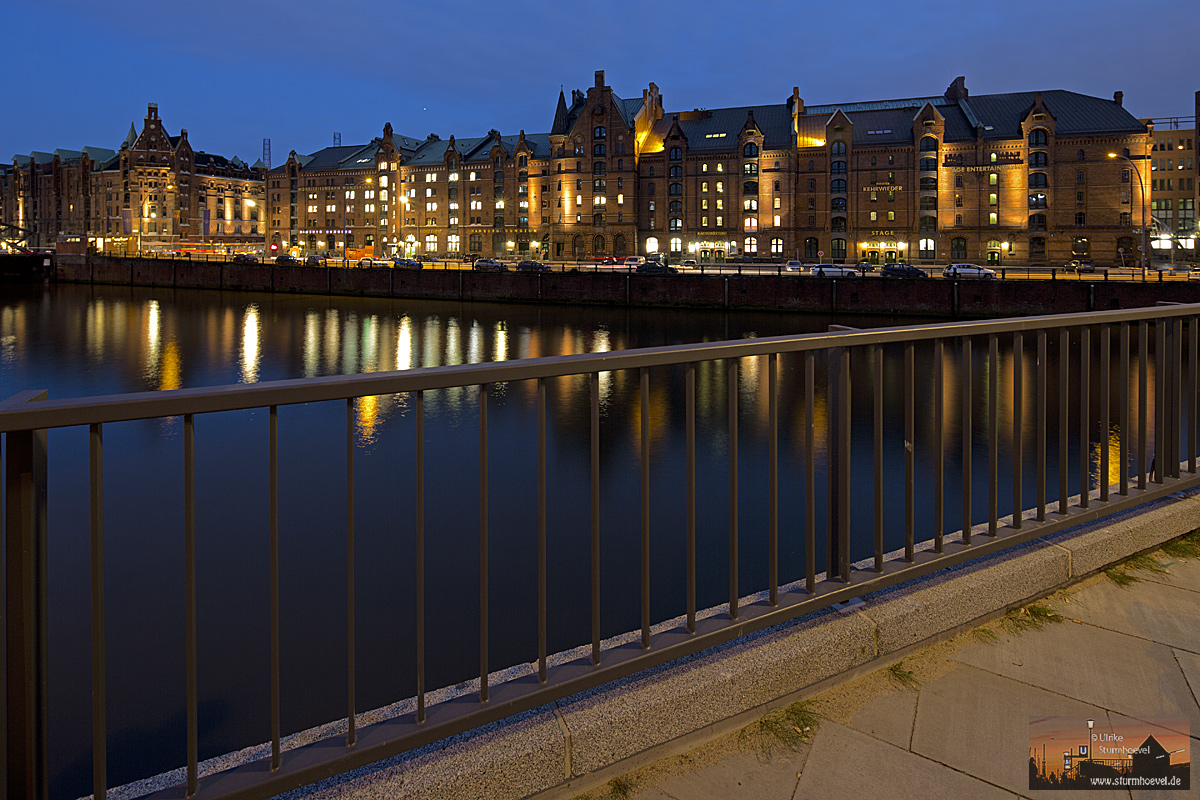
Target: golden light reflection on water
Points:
(404, 344)
(312, 344)
(367, 418)
(171, 372)
(251, 349)
(1114, 458)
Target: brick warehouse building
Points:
(154, 193)
(1006, 179)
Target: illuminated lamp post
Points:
(1142, 188)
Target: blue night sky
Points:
(79, 72)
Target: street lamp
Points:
(1142, 187)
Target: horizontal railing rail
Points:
(1145, 473)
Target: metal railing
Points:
(1146, 470)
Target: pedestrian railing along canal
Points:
(1130, 371)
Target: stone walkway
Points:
(953, 720)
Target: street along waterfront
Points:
(76, 341)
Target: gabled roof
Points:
(718, 128)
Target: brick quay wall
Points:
(787, 292)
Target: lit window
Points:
(750, 245)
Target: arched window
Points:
(993, 179)
(750, 245)
(599, 133)
(928, 184)
(675, 224)
(599, 168)
(431, 244)
(703, 187)
(958, 181)
(750, 168)
(577, 246)
(675, 207)
(675, 173)
(1037, 180)
(676, 245)
(750, 150)
(652, 244)
(1038, 159)
(837, 186)
(750, 204)
(750, 223)
(675, 188)
(838, 149)
(1037, 247)
(1037, 137)
(776, 246)
(812, 185)
(958, 248)
(837, 224)
(925, 248)
(928, 164)
(777, 186)
(1079, 155)
(598, 150)
(837, 249)
(928, 223)
(1037, 200)
(675, 153)
(598, 245)
(838, 167)
(619, 245)
(597, 219)
(750, 187)
(1037, 222)
(837, 204)
(811, 166)
(651, 170)
(929, 144)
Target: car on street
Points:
(795, 266)
(489, 265)
(406, 263)
(314, 261)
(1194, 275)
(832, 271)
(634, 261)
(899, 269)
(967, 271)
(375, 262)
(656, 268)
(287, 261)
(532, 266)
(864, 267)
(1076, 265)
(688, 263)
(245, 258)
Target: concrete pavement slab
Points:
(845, 764)
(1190, 664)
(1109, 670)
(1181, 574)
(1169, 615)
(978, 723)
(742, 776)
(888, 717)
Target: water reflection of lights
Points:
(370, 344)
(367, 418)
(475, 343)
(602, 343)
(500, 346)
(404, 344)
(171, 373)
(1113, 444)
(251, 351)
(350, 349)
(312, 344)
(453, 352)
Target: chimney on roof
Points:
(1118, 97)
(957, 90)
(796, 102)
(599, 79)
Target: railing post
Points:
(24, 742)
(838, 508)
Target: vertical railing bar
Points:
(645, 409)
(189, 594)
(273, 468)
(1143, 357)
(351, 732)
(483, 544)
(1105, 407)
(1064, 391)
(1176, 396)
(993, 433)
(810, 480)
(420, 535)
(843, 532)
(910, 426)
(731, 367)
(1018, 431)
(5, 532)
(939, 445)
(1040, 412)
(967, 431)
(1085, 415)
(690, 423)
(773, 478)
(877, 354)
(1125, 410)
(1193, 399)
(541, 546)
(1162, 362)
(595, 480)
(99, 684)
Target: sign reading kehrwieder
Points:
(1109, 752)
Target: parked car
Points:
(469, 257)
(635, 261)
(406, 263)
(832, 271)
(967, 271)
(689, 263)
(901, 270)
(1194, 275)
(375, 262)
(245, 258)
(864, 267)
(489, 265)
(314, 261)
(1076, 265)
(795, 266)
(656, 268)
(532, 266)
(287, 261)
